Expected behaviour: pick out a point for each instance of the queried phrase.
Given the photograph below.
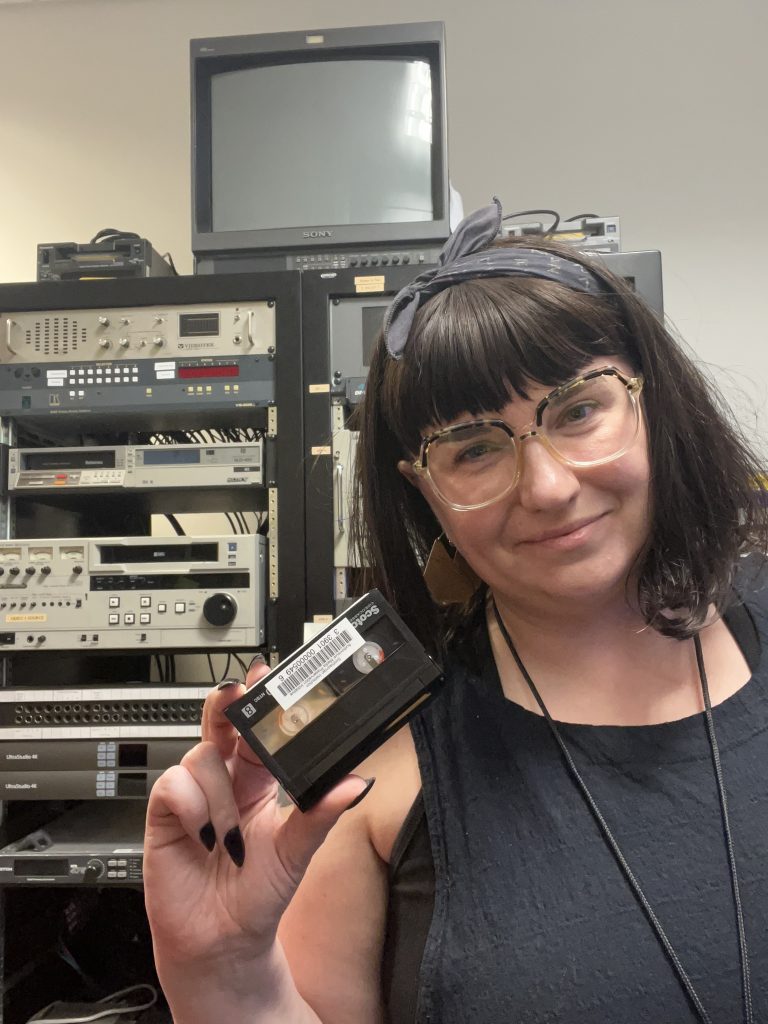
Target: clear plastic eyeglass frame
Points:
(634, 386)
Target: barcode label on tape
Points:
(313, 664)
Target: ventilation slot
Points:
(57, 336)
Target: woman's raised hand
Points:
(222, 859)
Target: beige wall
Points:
(653, 111)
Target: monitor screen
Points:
(322, 142)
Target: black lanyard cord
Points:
(746, 987)
(685, 981)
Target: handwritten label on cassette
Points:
(290, 684)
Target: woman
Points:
(561, 835)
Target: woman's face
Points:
(563, 533)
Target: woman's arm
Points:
(329, 949)
(221, 865)
(334, 929)
(255, 991)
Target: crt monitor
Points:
(319, 142)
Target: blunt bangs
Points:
(476, 345)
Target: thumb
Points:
(302, 833)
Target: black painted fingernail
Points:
(257, 659)
(225, 683)
(208, 836)
(234, 845)
(361, 796)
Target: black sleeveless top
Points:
(506, 905)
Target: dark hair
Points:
(475, 344)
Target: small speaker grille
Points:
(56, 336)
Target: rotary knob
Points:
(123, 343)
(30, 570)
(77, 569)
(220, 609)
(93, 869)
(104, 343)
(14, 570)
(46, 570)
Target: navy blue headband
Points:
(466, 255)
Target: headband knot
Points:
(467, 255)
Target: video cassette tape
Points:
(329, 704)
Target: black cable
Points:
(67, 956)
(159, 665)
(580, 216)
(214, 680)
(39, 440)
(107, 233)
(242, 520)
(169, 260)
(530, 213)
(232, 524)
(746, 984)
(175, 524)
(226, 667)
(242, 665)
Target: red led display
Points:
(187, 372)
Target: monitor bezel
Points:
(424, 40)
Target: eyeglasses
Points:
(587, 421)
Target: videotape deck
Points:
(164, 362)
(112, 593)
(587, 234)
(94, 844)
(113, 256)
(119, 468)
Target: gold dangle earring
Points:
(448, 577)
